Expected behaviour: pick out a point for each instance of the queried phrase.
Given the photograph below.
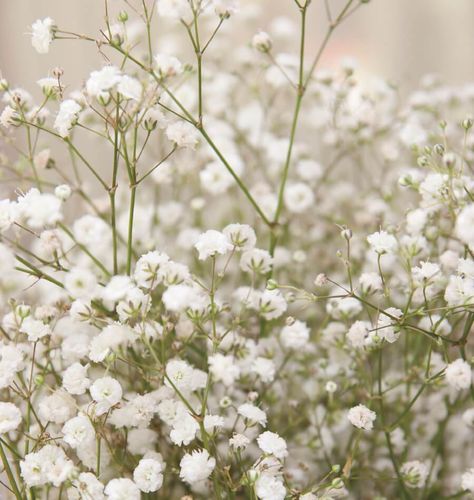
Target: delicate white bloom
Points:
(48, 465)
(459, 374)
(256, 260)
(359, 334)
(10, 417)
(264, 368)
(39, 209)
(212, 243)
(175, 9)
(465, 226)
(295, 336)
(361, 417)
(183, 134)
(42, 35)
(239, 442)
(7, 215)
(242, 236)
(86, 487)
(196, 466)
(34, 328)
(370, 282)
(224, 368)
(122, 489)
(273, 444)
(269, 487)
(271, 304)
(57, 407)
(75, 379)
(110, 339)
(148, 475)
(425, 272)
(382, 242)
(106, 392)
(387, 328)
(167, 65)
(130, 88)
(102, 81)
(213, 422)
(225, 8)
(298, 197)
(67, 116)
(81, 283)
(262, 41)
(63, 192)
(78, 431)
(414, 473)
(253, 414)
(467, 480)
(150, 268)
(9, 116)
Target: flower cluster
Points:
(260, 284)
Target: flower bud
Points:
(272, 285)
(467, 124)
(262, 42)
(63, 192)
(123, 16)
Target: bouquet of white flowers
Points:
(228, 273)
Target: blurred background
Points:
(397, 39)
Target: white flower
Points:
(196, 466)
(63, 192)
(382, 242)
(359, 334)
(150, 268)
(242, 236)
(253, 414)
(225, 8)
(295, 336)
(148, 475)
(298, 197)
(175, 9)
(42, 35)
(87, 487)
(212, 243)
(387, 328)
(7, 215)
(262, 41)
(273, 444)
(34, 328)
(213, 422)
(78, 431)
(467, 480)
(414, 473)
(39, 209)
(179, 374)
(183, 134)
(459, 374)
(10, 417)
(256, 260)
(465, 226)
(57, 407)
(269, 487)
(110, 339)
(361, 417)
(130, 88)
(81, 283)
(67, 116)
(271, 304)
(75, 379)
(101, 81)
(167, 65)
(239, 442)
(264, 368)
(122, 489)
(224, 369)
(48, 465)
(106, 392)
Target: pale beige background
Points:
(398, 39)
